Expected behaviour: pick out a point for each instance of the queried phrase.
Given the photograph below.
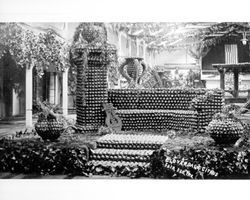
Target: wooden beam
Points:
(156, 32)
(137, 32)
(236, 83)
(222, 79)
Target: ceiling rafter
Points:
(164, 36)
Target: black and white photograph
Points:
(124, 100)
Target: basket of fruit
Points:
(225, 129)
(48, 126)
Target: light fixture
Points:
(244, 39)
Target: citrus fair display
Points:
(48, 125)
(122, 155)
(92, 88)
(207, 105)
(200, 163)
(131, 141)
(51, 129)
(130, 150)
(157, 109)
(159, 119)
(225, 129)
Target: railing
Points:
(207, 72)
(233, 92)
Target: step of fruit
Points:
(121, 155)
(157, 119)
(172, 99)
(118, 163)
(131, 141)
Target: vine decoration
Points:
(29, 49)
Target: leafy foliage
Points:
(135, 171)
(31, 155)
(91, 32)
(47, 111)
(200, 163)
(180, 158)
(29, 49)
(54, 51)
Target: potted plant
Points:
(49, 125)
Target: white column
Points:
(137, 47)
(119, 44)
(144, 50)
(130, 46)
(199, 62)
(28, 97)
(65, 92)
(154, 58)
(151, 57)
(52, 88)
(15, 103)
(56, 89)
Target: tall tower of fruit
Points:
(92, 55)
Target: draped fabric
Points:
(231, 57)
(231, 54)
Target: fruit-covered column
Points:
(92, 88)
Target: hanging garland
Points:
(29, 49)
(54, 51)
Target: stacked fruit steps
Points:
(159, 109)
(126, 149)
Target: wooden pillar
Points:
(28, 97)
(222, 79)
(65, 92)
(248, 94)
(236, 83)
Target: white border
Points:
(122, 11)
